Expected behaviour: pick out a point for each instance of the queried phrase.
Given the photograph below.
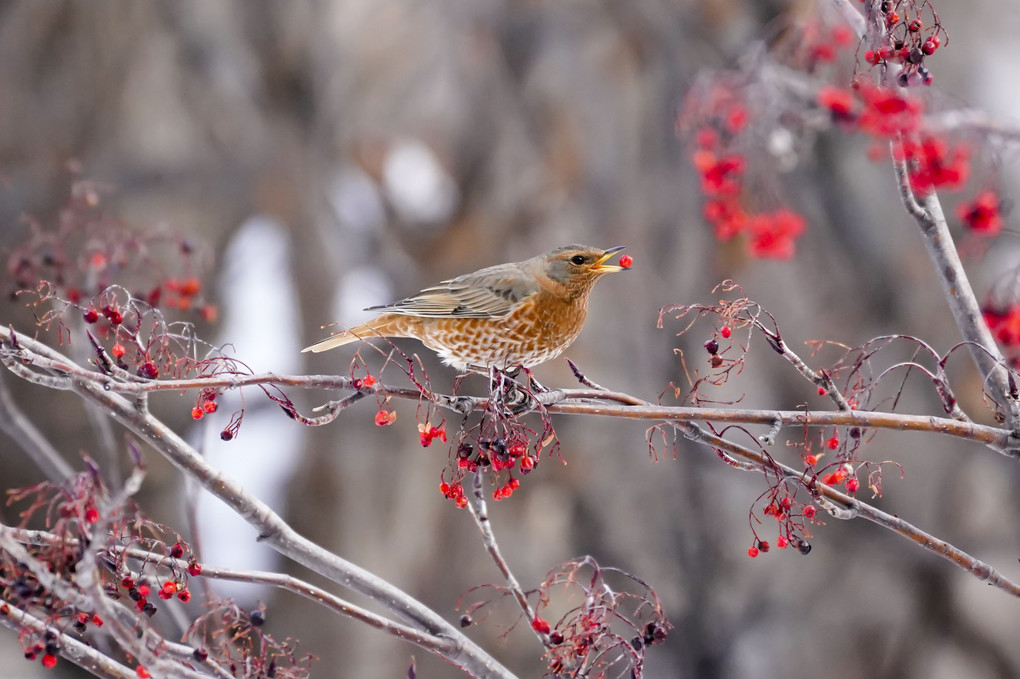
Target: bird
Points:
(504, 317)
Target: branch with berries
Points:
(807, 488)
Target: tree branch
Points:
(938, 241)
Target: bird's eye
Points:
(577, 260)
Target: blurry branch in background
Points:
(15, 424)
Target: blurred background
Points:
(335, 154)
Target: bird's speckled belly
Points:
(524, 337)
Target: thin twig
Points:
(853, 508)
(480, 513)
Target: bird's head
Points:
(578, 267)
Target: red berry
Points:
(91, 515)
(782, 542)
(916, 25)
(839, 101)
(49, 661)
(822, 391)
(383, 418)
(197, 413)
(90, 315)
(184, 595)
(209, 313)
(809, 512)
(832, 443)
(148, 370)
(190, 287)
(852, 484)
(763, 545)
(811, 460)
(177, 551)
(540, 626)
(726, 332)
(144, 590)
(116, 317)
(626, 261)
(752, 552)
(209, 406)
(707, 137)
(117, 350)
(142, 672)
(194, 569)
(127, 582)
(368, 380)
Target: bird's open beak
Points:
(608, 268)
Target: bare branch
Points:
(481, 516)
(927, 211)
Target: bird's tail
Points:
(383, 326)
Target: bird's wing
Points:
(487, 293)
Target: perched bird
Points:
(503, 316)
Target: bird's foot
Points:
(509, 392)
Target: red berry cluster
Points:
(771, 234)
(982, 215)
(932, 164)
(48, 647)
(783, 507)
(454, 491)
(819, 43)
(844, 474)
(880, 112)
(206, 404)
(909, 42)
(1004, 323)
(184, 295)
(500, 457)
(427, 433)
(89, 250)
